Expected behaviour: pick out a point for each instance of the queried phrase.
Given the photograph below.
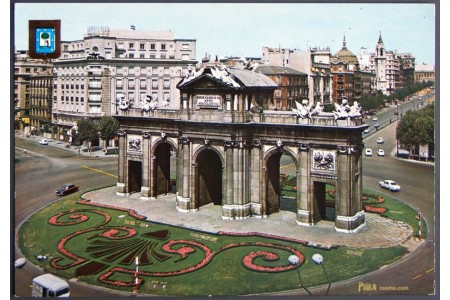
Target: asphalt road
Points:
(38, 173)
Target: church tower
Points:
(380, 66)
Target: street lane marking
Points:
(287, 166)
(430, 270)
(99, 171)
(418, 276)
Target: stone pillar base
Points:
(183, 204)
(121, 189)
(145, 192)
(256, 210)
(350, 224)
(304, 217)
(237, 212)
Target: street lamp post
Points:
(295, 261)
(318, 259)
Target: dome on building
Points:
(346, 55)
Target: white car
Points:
(368, 152)
(380, 152)
(367, 130)
(390, 185)
(374, 119)
(43, 142)
(380, 140)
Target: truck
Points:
(49, 285)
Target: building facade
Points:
(24, 69)
(227, 142)
(41, 99)
(292, 85)
(109, 67)
(424, 73)
(314, 62)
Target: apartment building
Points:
(24, 69)
(314, 62)
(40, 102)
(292, 85)
(424, 73)
(107, 67)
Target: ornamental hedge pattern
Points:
(107, 244)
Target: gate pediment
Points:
(206, 82)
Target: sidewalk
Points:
(378, 232)
(81, 150)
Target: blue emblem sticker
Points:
(45, 40)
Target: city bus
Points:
(48, 285)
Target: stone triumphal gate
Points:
(227, 142)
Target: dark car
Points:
(67, 189)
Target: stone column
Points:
(123, 164)
(304, 199)
(348, 217)
(183, 199)
(255, 178)
(146, 168)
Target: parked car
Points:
(396, 113)
(380, 140)
(43, 142)
(390, 185)
(368, 152)
(67, 189)
(367, 130)
(380, 152)
(374, 119)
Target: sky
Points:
(239, 29)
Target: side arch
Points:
(160, 156)
(272, 188)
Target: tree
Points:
(108, 127)
(87, 131)
(416, 128)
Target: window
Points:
(142, 46)
(153, 46)
(131, 70)
(143, 70)
(143, 83)
(185, 46)
(166, 70)
(131, 83)
(119, 83)
(152, 56)
(163, 56)
(163, 46)
(119, 70)
(185, 57)
(142, 55)
(131, 96)
(131, 55)
(155, 70)
(131, 45)
(154, 83)
(166, 83)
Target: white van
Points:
(48, 285)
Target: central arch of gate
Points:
(223, 146)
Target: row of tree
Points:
(88, 130)
(372, 102)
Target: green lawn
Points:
(223, 274)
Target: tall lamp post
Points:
(318, 259)
(295, 261)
